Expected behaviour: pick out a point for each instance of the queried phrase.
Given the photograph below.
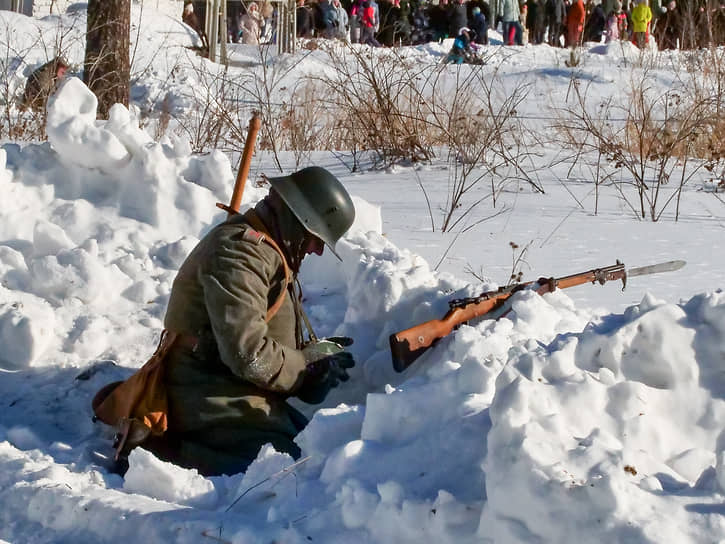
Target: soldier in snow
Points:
(41, 84)
(239, 353)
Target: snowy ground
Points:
(589, 415)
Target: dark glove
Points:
(332, 368)
(327, 366)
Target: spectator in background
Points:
(305, 21)
(41, 83)
(641, 17)
(356, 11)
(326, 18)
(376, 18)
(616, 23)
(189, 17)
(536, 20)
(367, 25)
(669, 26)
(575, 23)
(457, 17)
(389, 14)
(403, 28)
(479, 25)
(595, 22)
(509, 13)
(523, 16)
(234, 20)
(251, 25)
(439, 20)
(421, 32)
(554, 17)
(268, 18)
(343, 27)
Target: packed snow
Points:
(585, 415)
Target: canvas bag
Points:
(138, 407)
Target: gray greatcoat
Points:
(227, 391)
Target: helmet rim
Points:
(319, 202)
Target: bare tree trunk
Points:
(107, 66)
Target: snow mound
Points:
(149, 476)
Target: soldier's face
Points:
(313, 245)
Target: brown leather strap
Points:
(256, 223)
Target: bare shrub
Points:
(16, 125)
(380, 98)
(487, 149)
(403, 112)
(263, 89)
(220, 113)
(651, 137)
(305, 121)
(710, 90)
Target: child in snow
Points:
(463, 49)
(479, 26)
(616, 24)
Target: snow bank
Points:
(601, 422)
(551, 424)
(102, 206)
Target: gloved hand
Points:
(327, 366)
(314, 351)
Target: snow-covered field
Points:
(589, 415)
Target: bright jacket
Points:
(641, 16)
(576, 14)
(368, 17)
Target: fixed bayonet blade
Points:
(669, 266)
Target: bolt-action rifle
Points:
(406, 346)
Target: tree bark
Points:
(107, 66)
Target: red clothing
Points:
(368, 17)
(575, 22)
(576, 13)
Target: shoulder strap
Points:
(256, 223)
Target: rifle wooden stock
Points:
(254, 124)
(406, 346)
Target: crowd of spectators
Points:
(560, 23)
(683, 24)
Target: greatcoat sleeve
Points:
(237, 279)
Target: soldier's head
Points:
(61, 67)
(320, 203)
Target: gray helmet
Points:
(319, 201)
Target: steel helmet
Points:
(319, 201)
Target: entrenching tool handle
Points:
(254, 124)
